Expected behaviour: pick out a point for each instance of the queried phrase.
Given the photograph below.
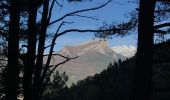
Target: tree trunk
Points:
(39, 64)
(30, 57)
(144, 57)
(13, 52)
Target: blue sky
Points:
(114, 12)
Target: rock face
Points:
(94, 56)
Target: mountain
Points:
(127, 51)
(94, 57)
(117, 81)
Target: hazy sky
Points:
(115, 12)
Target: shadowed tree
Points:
(144, 56)
(31, 49)
(13, 51)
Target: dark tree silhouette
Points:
(28, 70)
(144, 56)
(39, 63)
(13, 51)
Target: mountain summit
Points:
(88, 48)
(94, 57)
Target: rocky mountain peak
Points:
(86, 48)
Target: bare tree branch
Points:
(50, 54)
(50, 11)
(55, 66)
(162, 25)
(157, 11)
(164, 10)
(86, 17)
(160, 31)
(89, 30)
(58, 3)
(52, 45)
(67, 59)
(79, 11)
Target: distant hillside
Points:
(94, 57)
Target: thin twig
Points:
(66, 57)
(50, 11)
(79, 11)
(58, 3)
(86, 17)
